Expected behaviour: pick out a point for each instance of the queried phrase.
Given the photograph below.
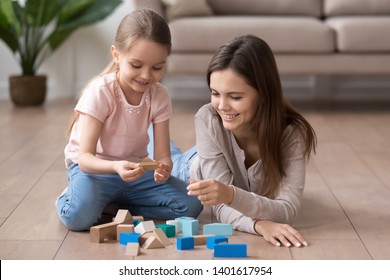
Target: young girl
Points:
(251, 145)
(108, 135)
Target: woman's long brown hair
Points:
(252, 58)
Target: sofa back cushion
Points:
(265, 7)
(356, 7)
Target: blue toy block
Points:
(169, 230)
(211, 241)
(181, 219)
(218, 229)
(126, 237)
(185, 243)
(190, 227)
(230, 250)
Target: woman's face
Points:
(235, 101)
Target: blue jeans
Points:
(88, 195)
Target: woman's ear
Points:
(114, 54)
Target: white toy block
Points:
(190, 227)
(132, 249)
(175, 223)
(145, 226)
(218, 229)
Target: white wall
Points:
(82, 56)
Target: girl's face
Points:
(141, 66)
(235, 101)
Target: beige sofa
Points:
(321, 37)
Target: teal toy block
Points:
(126, 237)
(230, 250)
(169, 230)
(211, 241)
(218, 229)
(136, 222)
(190, 227)
(181, 219)
(185, 243)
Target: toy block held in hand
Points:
(149, 165)
(185, 243)
(145, 226)
(123, 216)
(201, 239)
(169, 230)
(132, 249)
(214, 240)
(174, 223)
(99, 233)
(123, 228)
(190, 227)
(152, 243)
(230, 250)
(218, 229)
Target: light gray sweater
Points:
(220, 158)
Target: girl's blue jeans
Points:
(88, 195)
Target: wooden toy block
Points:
(144, 226)
(169, 230)
(160, 235)
(126, 237)
(214, 240)
(190, 227)
(230, 250)
(218, 229)
(97, 234)
(132, 249)
(185, 243)
(201, 239)
(174, 223)
(152, 243)
(181, 219)
(144, 237)
(123, 216)
(123, 228)
(149, 165)
(138, 218)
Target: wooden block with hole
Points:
(132, 249)
(97, 234)
(152, 243)
(123, 216)
(124, 228)
(149, 165)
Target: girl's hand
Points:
(279, 234)
(211, 192)
(162, 173)
(128, 171)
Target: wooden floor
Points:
(345, 212)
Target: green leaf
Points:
(40, 12)
(8, 17)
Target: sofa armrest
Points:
(155, 5)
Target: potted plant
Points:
(34, 29)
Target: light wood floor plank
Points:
(28, 250)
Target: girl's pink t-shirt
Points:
(124, 134)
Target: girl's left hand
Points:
(162, 173)
(211, 192)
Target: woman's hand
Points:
(279, 234)
(162, 173)
(211, 192)
(128, 171)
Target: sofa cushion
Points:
(182, 8)
(284, 34)
(361, 34)
(264, 7)
(356, 7)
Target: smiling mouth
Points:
(141, 83)
(228, 117)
